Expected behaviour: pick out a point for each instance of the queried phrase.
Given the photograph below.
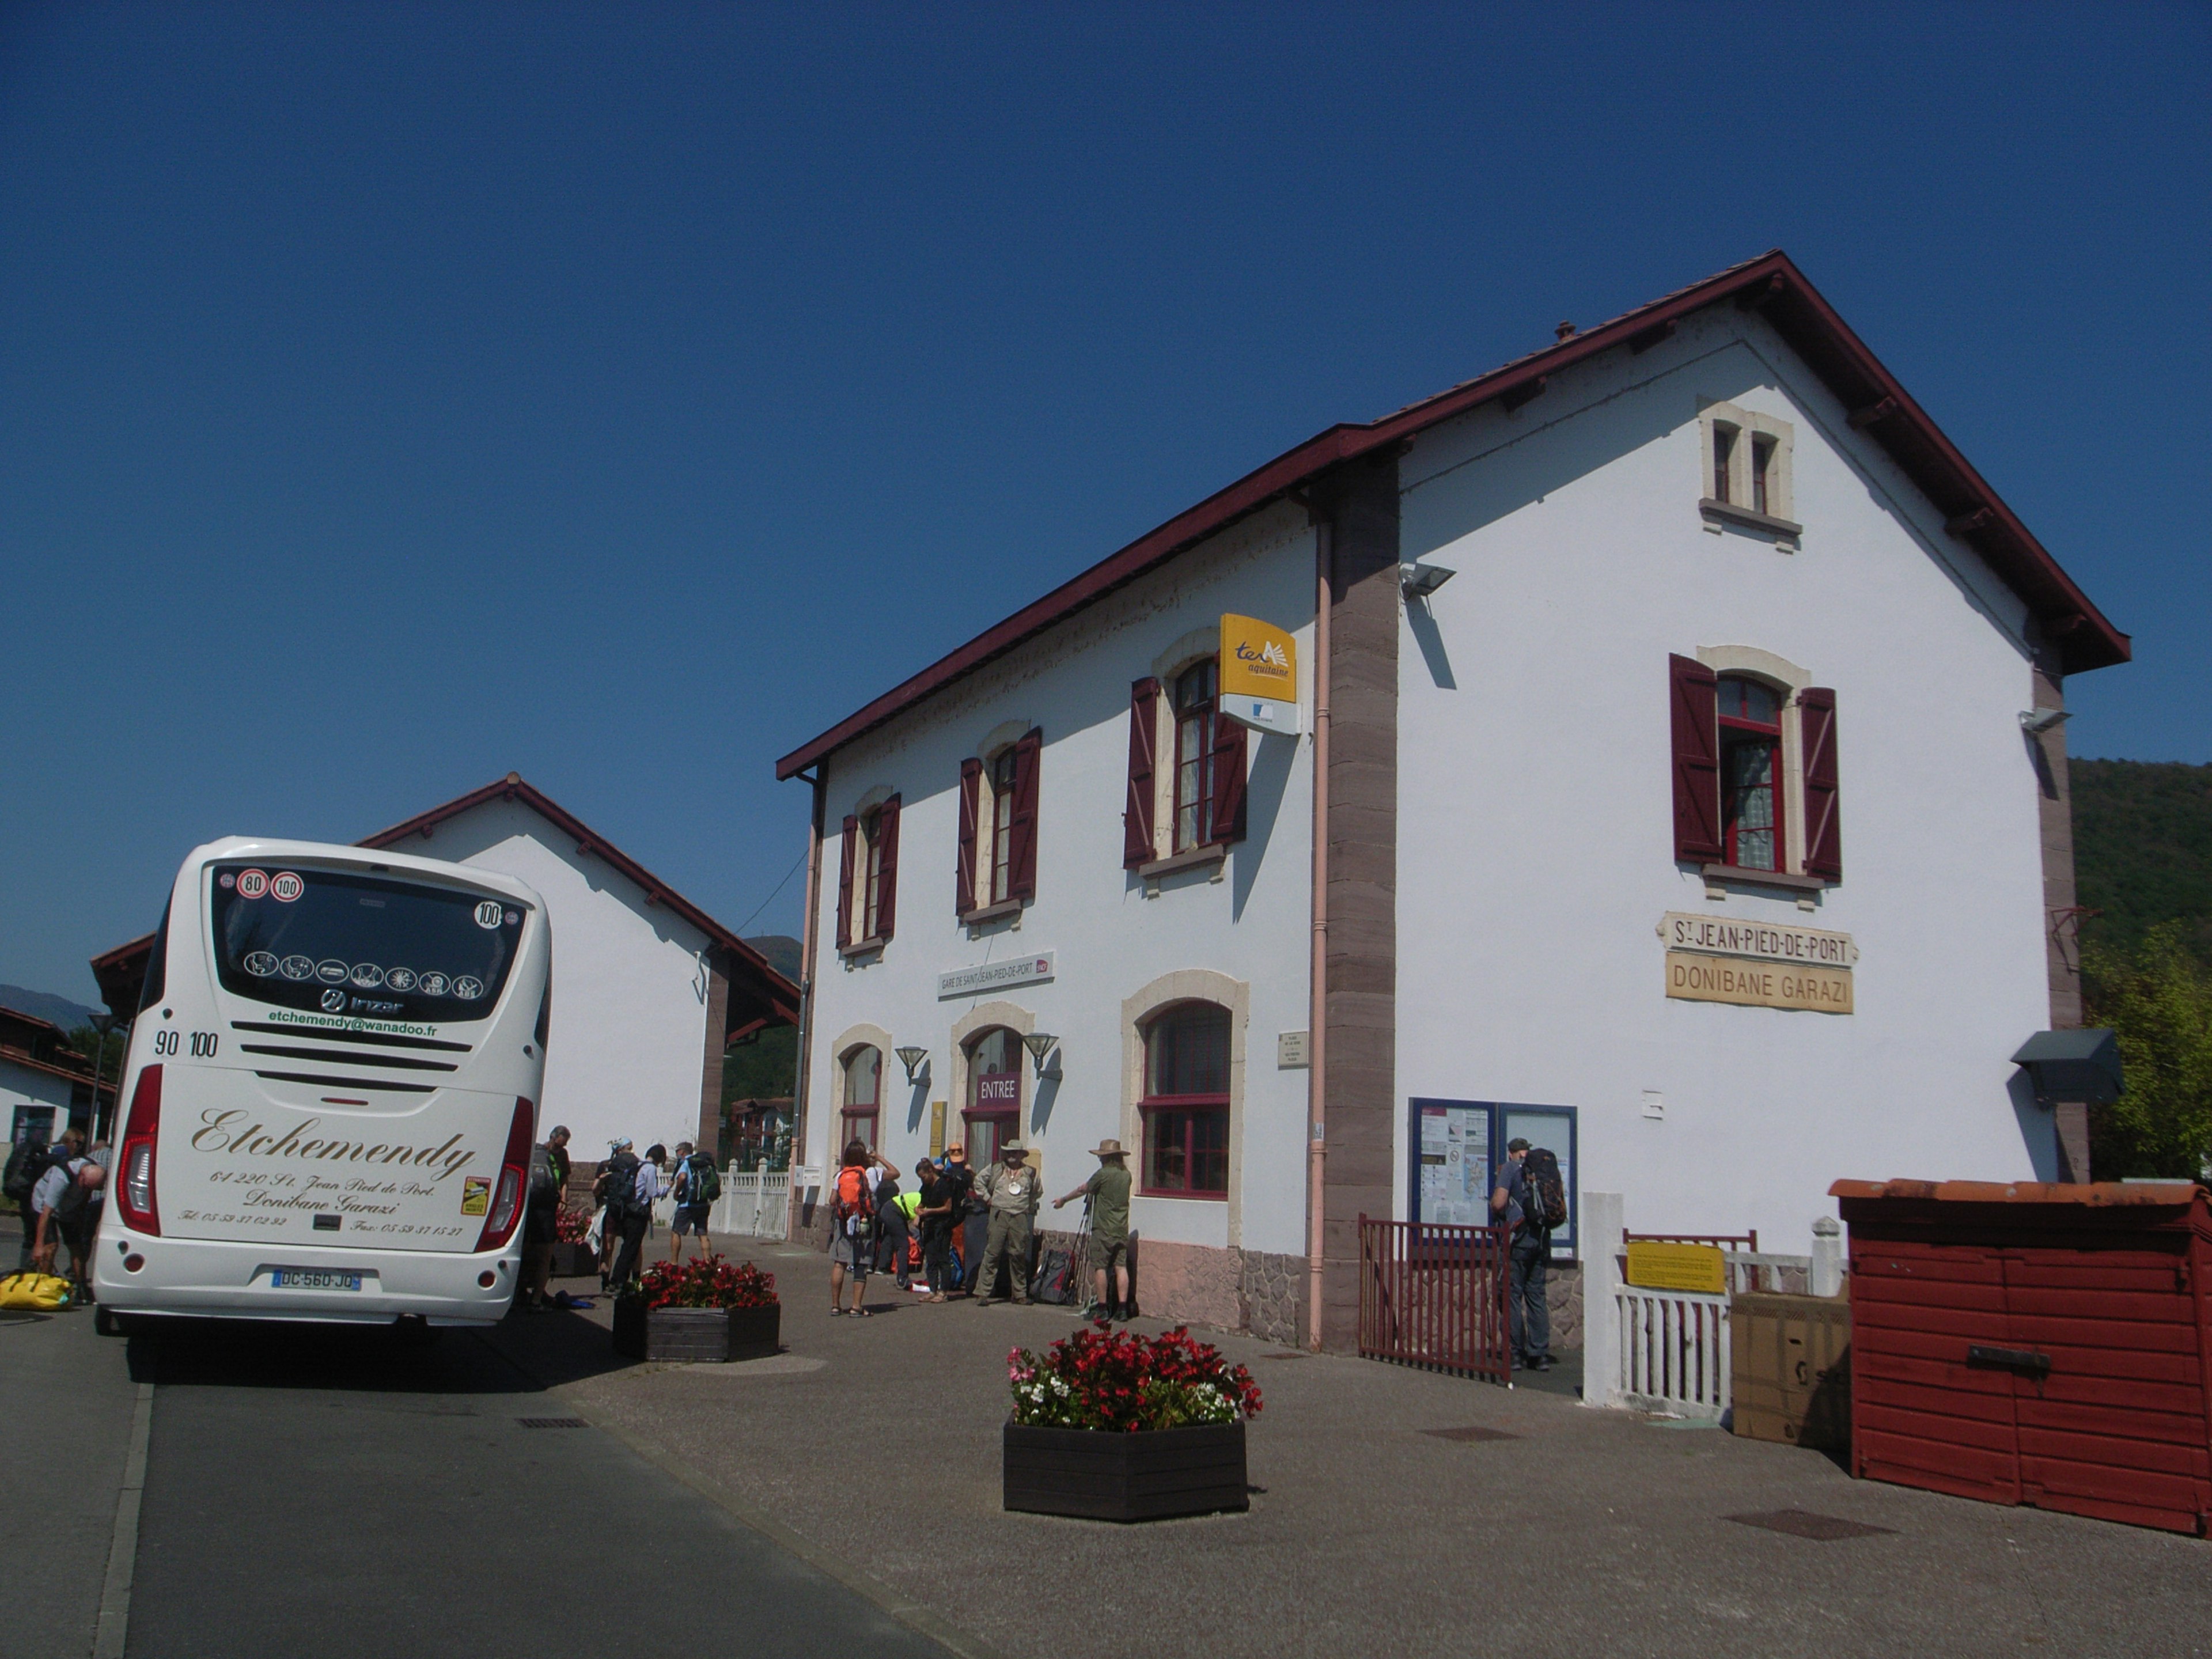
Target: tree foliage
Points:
(2142, 849)
(2157, 997)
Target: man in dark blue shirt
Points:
(1530, 1254)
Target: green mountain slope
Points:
(2142, 848)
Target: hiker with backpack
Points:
(697, 1185)
(70, 1212)
(892, 1236)
(27, 1162)
(853, 1221)
(549, 1181)
(627, 1187)
(1530, 1199)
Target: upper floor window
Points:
(1750, 717)
(1186, 1101)
(997, 863)
(864, 1080)
(1195, 714)
(1747, 471)
(1748, 759)
(867, 878)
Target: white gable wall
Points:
(629, 982)
(1535, 797)
(24, 1086)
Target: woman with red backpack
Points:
(853, 1222)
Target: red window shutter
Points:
(971, 795)
(1137, 843)
(887, 866)
(1228, 779)
(1824, 833)
(1693, 700)
(1021, 874)
(845, 881)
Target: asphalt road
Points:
(334, 1492)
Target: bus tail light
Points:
(134, 1195)
(514, 1177)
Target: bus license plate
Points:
(313, 1279)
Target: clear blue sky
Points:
(393, 396)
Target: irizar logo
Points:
(333, 1001)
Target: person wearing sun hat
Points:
(1108, 1192)
(1010, 1188)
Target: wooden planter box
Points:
(708, 1335)
(575, 1261)
(1126, 1477)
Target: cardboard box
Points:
(1792, 1369)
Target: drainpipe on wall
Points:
(802, 1124)
(1317, 1013)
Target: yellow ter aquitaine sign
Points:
(1656, 1266)
(1258, 660)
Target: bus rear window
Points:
(360, 944)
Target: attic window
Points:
(1746, 466)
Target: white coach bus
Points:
(330, 1096)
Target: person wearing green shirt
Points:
(1107, 1191)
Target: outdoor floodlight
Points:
(2072, 1064)
(1420, 580)
(2039, 720)
(1039, 1043)
(912, 1057)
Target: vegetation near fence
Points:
(2158, 998)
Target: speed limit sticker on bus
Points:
(253, 884)
(487, 914)
(284, 886)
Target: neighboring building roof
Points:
(755, 988)
(11, 1055)
(1769, 284)
(17, 1017)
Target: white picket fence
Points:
(753, 1206)
(1669, 1351)
(1674, 1354)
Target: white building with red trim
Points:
(648, 989)
(1676, 779)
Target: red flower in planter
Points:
(572, 1224)
(1123, 1383)
(711, 1282)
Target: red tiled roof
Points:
(1771, 284)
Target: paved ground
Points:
(812, 1497)
(1585, 1533)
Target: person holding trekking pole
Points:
(1107, 1194)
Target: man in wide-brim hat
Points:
(1108, 1192)
(1010, 1188)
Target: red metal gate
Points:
(1435, 1297)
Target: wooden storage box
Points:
(696, 1335)
(1792, 1369)
(1147, 1476)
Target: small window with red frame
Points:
(1751, 767)
(864, 1076)
(1185, 1102)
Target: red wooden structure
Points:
(2035, 1344)
(1435, 1296)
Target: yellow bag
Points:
(42, 1291)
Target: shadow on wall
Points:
(2039, 1127)
(1041, 1101)
(1268, 774)
(1423, 625)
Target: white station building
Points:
(648, 989)
(1677, 708)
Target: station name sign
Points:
(994, 975)
(1758, 964)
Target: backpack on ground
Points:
(1056, 1277)
(704, 1183)
(35, 1293)
(1545, 1208)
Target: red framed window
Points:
(1751, 772)
(1195, 703)
(994, 1110)
(867, 877)
(864, 1080)
(1185, 1102)
(1003, 774)
(872, 872)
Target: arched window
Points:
(1751, 772)
(1186, 1101)
(994, 1108)
(1194, 716)
(864, 1080)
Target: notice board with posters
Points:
(1457, 1146)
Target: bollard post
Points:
(1827, 1278)
(1600, 1229)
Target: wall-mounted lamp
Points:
(911, 1058)
(1039, 1043)
(2039, 720)
(1420, 580)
